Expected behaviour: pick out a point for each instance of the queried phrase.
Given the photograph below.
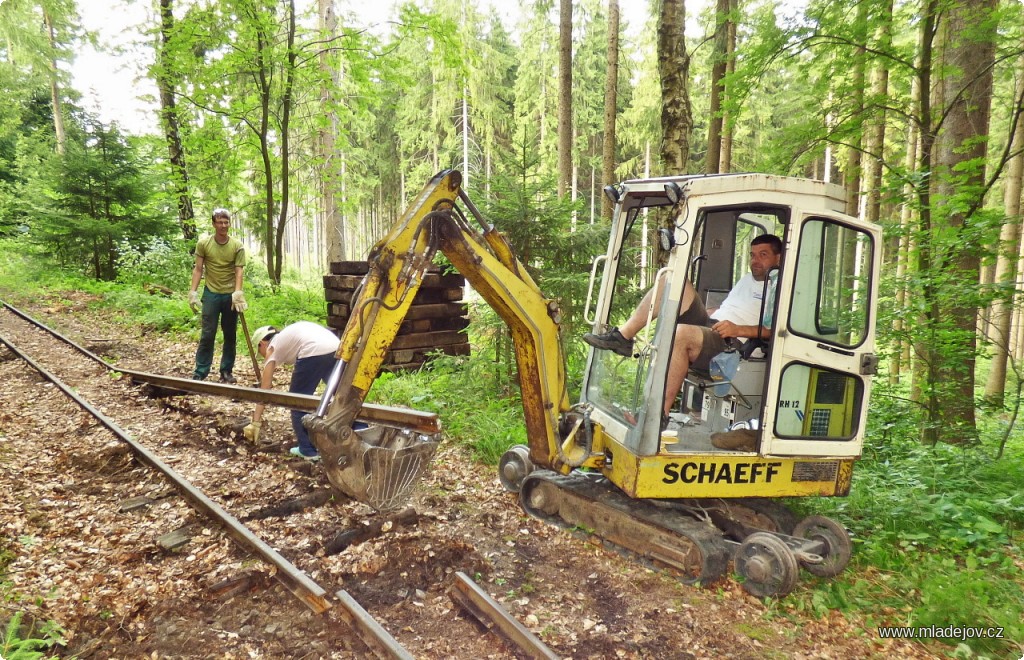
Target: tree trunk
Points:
(924, 368)
(855, 154)
(1018, 315)
(1009, 248)
(674, 71)
(286, 115)
(165, 80)
(725, 161)
(262, 74)
(331, 70)
(969, 55)
(901, 354)
(58, 114)
(719, 58)
(564, 96)
(611, 88)
(875, 134)
(465, 137)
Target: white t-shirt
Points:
(743, 304)
(301, 340)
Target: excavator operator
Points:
(700, 335)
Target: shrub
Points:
(157, 262)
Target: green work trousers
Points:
(216, 308)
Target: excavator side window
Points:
(830, 295)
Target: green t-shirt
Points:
(219, 262)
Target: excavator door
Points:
(823, 355)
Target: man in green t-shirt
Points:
(221, 259)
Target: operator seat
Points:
(741, 400)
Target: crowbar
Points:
(252, 353)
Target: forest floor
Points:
(72, 557)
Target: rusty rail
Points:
(309, 592)
(492, 615)
(379, 641)
(415, 420)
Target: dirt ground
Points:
(74, 555)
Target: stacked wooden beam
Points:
(437, 319)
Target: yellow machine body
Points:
(601, 462)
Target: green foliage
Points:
(295, 300)
(17, 642)
(542, 230)
(99, 194)
(24, 262)
(150, 310)
(936, 532)
(474, 405)
(21, 645)
(157, 262)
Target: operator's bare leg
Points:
(638, 319)
(686, 348)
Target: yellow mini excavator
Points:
(663, 489)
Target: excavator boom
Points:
(397, 264)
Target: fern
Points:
(15, 648)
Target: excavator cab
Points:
(799, 397)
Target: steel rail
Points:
(309, 592)
(491, 615)
(377, 639)
(415, 420)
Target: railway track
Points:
(81, 520)
(106, 427)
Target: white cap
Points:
(262, 333)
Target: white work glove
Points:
(238, 301)
(193, 301)
(252, 432)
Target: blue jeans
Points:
(308, 374)
(216, 307)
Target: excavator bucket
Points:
(380, 465)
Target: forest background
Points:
(316, 134)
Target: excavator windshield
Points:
(714, 261)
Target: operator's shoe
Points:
(198, 377)
(295, 451)
(611, 341)
(226, 377)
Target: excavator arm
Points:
(397, 264)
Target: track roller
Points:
(515, 465)
(836, 543)
(767, 565)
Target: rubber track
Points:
(666, 536)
